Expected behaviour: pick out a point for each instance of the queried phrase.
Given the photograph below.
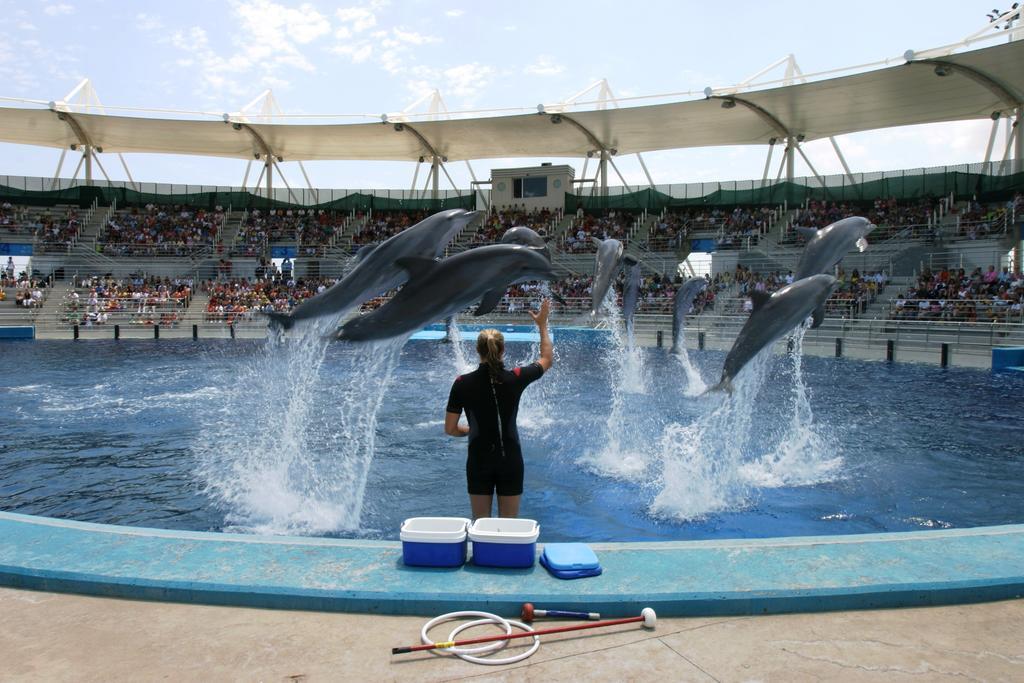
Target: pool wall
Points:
(677, 578)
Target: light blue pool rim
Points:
(676, 578)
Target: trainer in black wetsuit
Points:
(490, 398)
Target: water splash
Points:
(275, 456)
(628, 449)
(712, 465)
(695, 385)
(701, 462)
(459, 359)
(802, 454)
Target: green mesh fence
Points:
(962, 185)
(83, 196)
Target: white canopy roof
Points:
(973, 85)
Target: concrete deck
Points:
(51, 637)
(729, 577)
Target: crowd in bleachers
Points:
(51, 227)
(240, 299)
(135, 300)
(383, 225)
(498, 221)
(655, 296)
(610, 224)
(160, 231)
(728, 227)
(956, 295)
(312, 229)
(29, 292)
(853, 293)
(977, 220)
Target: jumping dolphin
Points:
(630, 295)
(774, 316)
(437, 289)
(685, 295)
(527, 237)
(375, 270)
(827, 247)
(606, 268)
(515, 235)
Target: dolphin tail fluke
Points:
(280, 321)
(725, 385)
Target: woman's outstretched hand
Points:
(541, 316)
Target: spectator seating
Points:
(160, 231)
(238, 300)
(133, 301)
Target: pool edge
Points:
(677, 578)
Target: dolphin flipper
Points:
(489, 300)
(818, 316)
(281, 321)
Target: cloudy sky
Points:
(381, 56)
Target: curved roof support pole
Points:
(762, 113)
(81, 136)
(792, 141)
(768, 161)
(944, 68)
(264, 148)
(1020, 141)
(436, 160)
(598, 146)
(1014, 135)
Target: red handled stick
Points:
(647, 616)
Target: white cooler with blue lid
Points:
(504, 542)
(434, 541)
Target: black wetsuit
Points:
(495, 459)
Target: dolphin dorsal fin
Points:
(416, 265)
(808, 232)
(759, 299)
(364, 251)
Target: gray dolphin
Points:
(437, 289)
(685, 295)
(528, 237)
(827, 247)
(630, 296)
(606, 268)
(375, 271)
(774, 316)
(515, 235)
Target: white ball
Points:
(650, 618)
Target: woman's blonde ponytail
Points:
(490, 344)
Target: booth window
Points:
(524, 188)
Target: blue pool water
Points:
(337, 440)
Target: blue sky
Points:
(380, 56)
